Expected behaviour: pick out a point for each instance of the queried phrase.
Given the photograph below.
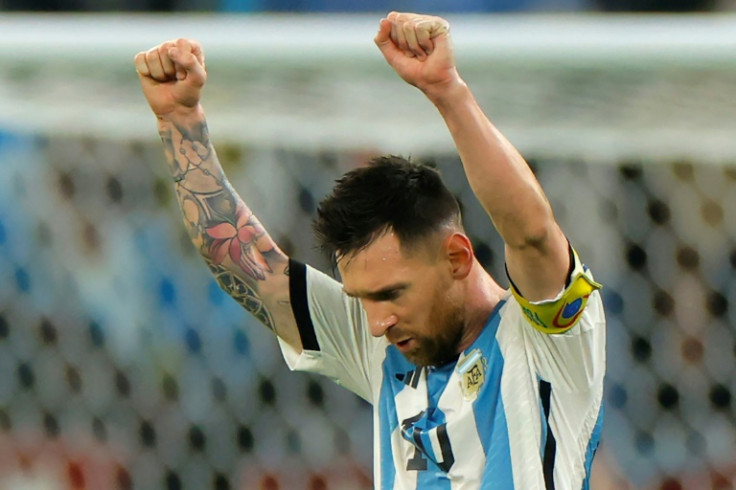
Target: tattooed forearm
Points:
(195, 144)
(188, 149)
(236, 247)
(243, 294)
(235, 237)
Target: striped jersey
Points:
(519, 409)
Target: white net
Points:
(123, 364)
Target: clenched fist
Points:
(419, 49)
(172, 75)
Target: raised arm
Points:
(244, 259)
(419, 49)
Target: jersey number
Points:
(438, 436)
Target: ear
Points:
(459, 253)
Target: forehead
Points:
(382, 262)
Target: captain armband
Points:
(562, 313)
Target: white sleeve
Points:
(335, 339)
(575, 360)
(568, 335)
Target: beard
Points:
(442, 347)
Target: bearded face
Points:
(410, 297)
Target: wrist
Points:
(182, 116)
(447, 94)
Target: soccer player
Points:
(472, 386)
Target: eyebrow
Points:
(380, 294)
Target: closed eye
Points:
(386, 295)
(390, 293)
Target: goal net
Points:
(125, 366)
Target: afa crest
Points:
(472, 373)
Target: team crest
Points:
(472, 373)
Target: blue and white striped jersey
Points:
(520, 409)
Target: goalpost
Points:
(119, 348)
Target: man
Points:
(473, 386)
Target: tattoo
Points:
(192, 151)
(285, 302)
(228, 235)
(243, 294)
(195, 145)
(168, 142)
(238, 242)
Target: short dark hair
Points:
(390, 193)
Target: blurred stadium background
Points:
(122, 364)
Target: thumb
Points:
(181, 71)
(188, 65)
(433, 33)
(440, 37)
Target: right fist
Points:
(172, 75)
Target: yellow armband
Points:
(560, 314)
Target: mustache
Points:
(394, 335)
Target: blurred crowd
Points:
(444, 6)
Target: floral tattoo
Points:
(228, 235)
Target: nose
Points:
(380, 318)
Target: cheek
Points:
(430, 313)
(414, 311)
(443, 307)
(427, 306)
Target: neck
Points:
(481, 297)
